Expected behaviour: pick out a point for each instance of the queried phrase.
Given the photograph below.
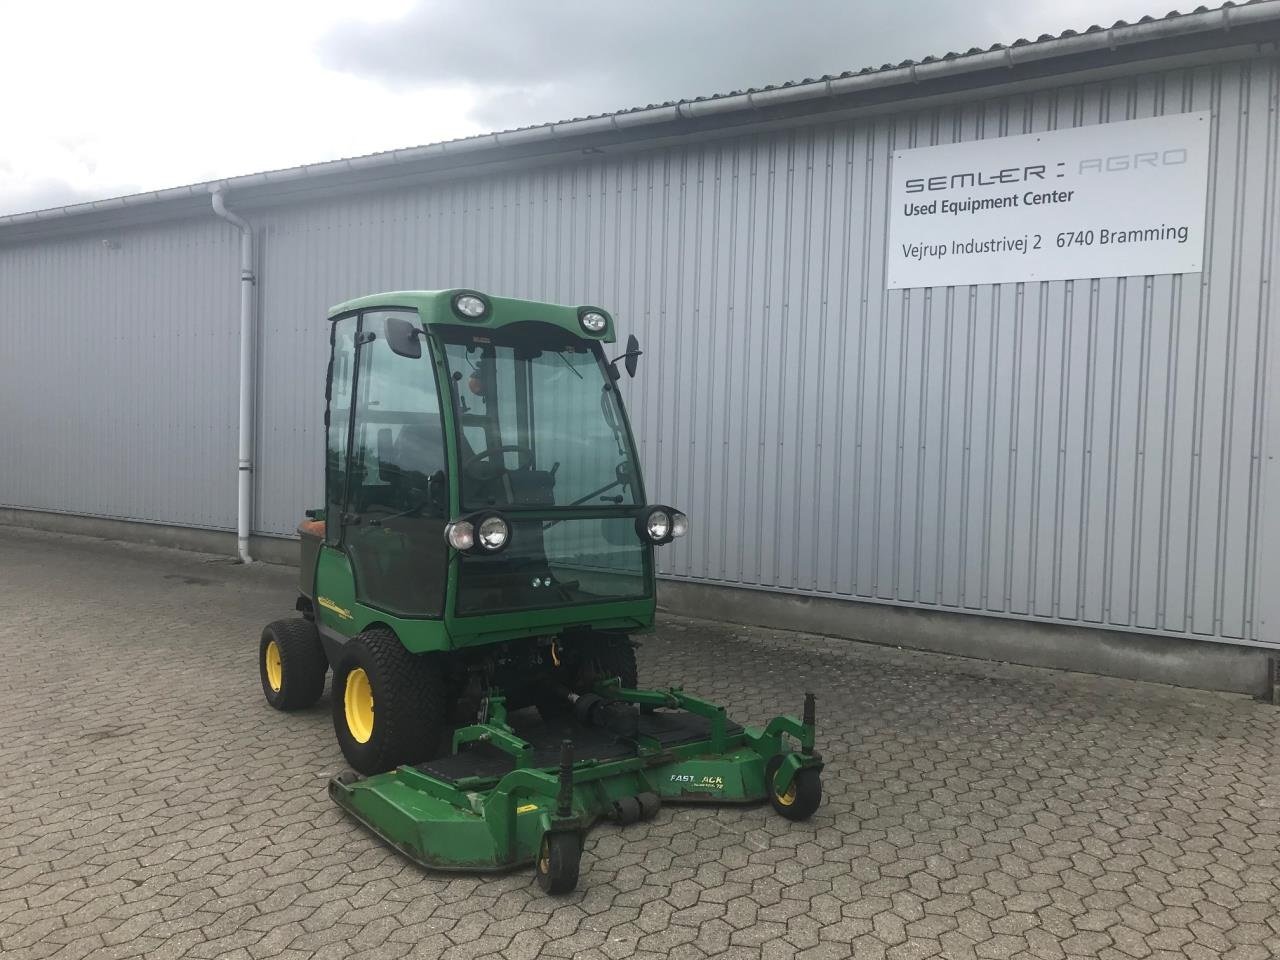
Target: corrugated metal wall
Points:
(118, 374)
(1075, 451)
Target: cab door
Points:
(337, 422)
(395, 487)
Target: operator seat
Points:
(418, 453)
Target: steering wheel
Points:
(496, 468)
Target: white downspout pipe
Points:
(244, 472)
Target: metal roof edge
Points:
(1227, 19)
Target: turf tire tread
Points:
(302, 660)
(410, 710)
(617, 658)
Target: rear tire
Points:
(291, 664)
(389, 705)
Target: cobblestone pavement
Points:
(152, 805)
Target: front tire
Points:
(611, 657)
(291, 664)
(616, 658)
(389, 705)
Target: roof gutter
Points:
(1225, 19)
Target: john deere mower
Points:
(475, 579)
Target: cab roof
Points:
(435, 307)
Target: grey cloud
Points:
(533, 62)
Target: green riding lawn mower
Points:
(483, 559)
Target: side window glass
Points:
(338, 419)
(399, 438)
(398, 488)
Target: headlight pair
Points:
(475, 307)
(481, 533)
(660, 524)
(490, 532)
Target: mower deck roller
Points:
(518, 791)
(487, 546)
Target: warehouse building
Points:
(889, 414)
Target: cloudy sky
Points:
(103, 99)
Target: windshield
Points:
(539, 421)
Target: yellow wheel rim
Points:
(544, 857)
(788, 798)
(275, 669)
(358, 700)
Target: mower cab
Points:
(481, 476)
(486, 545)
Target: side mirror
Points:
(632, 355)
(402, 338)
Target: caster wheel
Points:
(650, 804)
(558, 859)
(585, 707)
(627, 810)
(800, 800)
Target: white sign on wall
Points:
(1109, 200)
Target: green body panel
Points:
(630, 616)
(338, 609)
(435, 307)
(335, 591)
(496, 824)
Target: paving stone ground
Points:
(152, 805)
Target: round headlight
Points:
(658, 525)
(593, 322)
(679, 524)
(470, 306)
(461, 535)
(494, 533)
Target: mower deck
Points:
(510, 787)
(483, 761)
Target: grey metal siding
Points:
(1094, 452)
(118, 375)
